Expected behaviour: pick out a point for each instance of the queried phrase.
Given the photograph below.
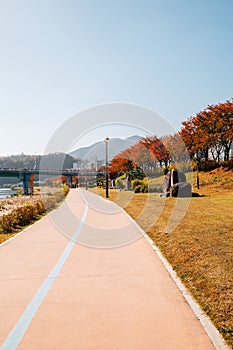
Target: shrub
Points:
(8, 222)
(144, 188)
(136, 183)
(140, 186)
(228, 164)
(65, 189)
(136, 174)
(216, 179)
(137, 189)
(208, 165)
(40, 209)
(29, 211)
(100, 181)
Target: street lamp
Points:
(106, 144)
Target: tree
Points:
(135, 174)
(140, 155)
(222, 114)
(177, 148)
(188, 134)
(157, 149)
(120, 164)
(210, 132)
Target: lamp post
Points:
(106, 144)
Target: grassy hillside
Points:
(200, 248)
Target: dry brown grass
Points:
(17, 213)
(200, 248)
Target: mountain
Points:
(97, 151)
(134, 138)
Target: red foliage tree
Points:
(210, 131)
(176, 147)
(157, 149)
(119, 164)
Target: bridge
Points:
(27, 175)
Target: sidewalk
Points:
(102, 299)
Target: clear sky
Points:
(59, 57)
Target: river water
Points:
(6, 192)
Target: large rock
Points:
(177, 177)
(181, 189)
(128, 185)
(166, 185)
(173, 177)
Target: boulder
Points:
(181, 189)
(166, 185)
(177, 177)
(128, 185)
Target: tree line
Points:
(210, 132)
(207, 135)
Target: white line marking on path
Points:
(17, 333)
(208, 326)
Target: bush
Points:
(136, 183)
(208, 165)
(137, 189)
(140, 186)
(216, 179)
(29, 212)
(100, 181)
(65, 189)
(136, 174)
(144, 188)
(228, 164)
(9, 222)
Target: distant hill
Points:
(97, 151)
(47, 161)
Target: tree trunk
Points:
(206, 151)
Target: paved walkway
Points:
(56, 294)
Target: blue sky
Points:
(60, 57)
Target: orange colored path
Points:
(117, 298)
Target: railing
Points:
(27, 175)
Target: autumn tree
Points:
(157, 149)
(120, 164)
(222, 115)
(188, 134)
(177, 148)
(132, 160)
(210, 132)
